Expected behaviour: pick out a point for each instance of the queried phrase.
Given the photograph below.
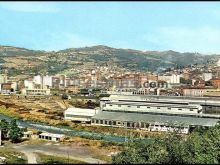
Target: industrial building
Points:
(52, 137)
(35, 91)
(150, 122)
(80, 114)
(156, 113)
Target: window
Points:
(128, 124)
(180, 109)
(101, 121)
(129, 106)
(148, 107)
(169, 108)
(158, 108)
(138, 106)
(133, 124)
(114, 122)
(106, 122)
(110, 105)
(191, 109)
(97, 121)
(110, 122)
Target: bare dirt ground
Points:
(71, 151)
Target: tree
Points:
(200, 147)
(15, 133)
(4, 128)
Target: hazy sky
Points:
(178, 26)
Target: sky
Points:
(147, 26)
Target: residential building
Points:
(207, 76)
(35, 91)
(198, 92)
(216, 82)
(3, 78)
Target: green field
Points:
(48, 159)
(11, 157)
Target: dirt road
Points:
(67, 151)
(31, 157)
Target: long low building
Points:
(79, 114)
(150, 122)
(52, 136)
(153, 107)
(35, 91)
(156, 113)
(208, 104)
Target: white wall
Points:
(145, 108)
(207, 76)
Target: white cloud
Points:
(30, 7)
(203, 39)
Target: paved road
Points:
(67, 151)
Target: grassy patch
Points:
(36, 141)
(48, 159)
(12, 157)
(108, 159)
(9, 112)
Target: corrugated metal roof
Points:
(150, 118)
(153, 104)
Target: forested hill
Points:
(12, 58)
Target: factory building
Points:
(150, 122)
(79, 114)
(154, 113)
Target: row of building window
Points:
(130, 124)
(150, 107)
(79, 116)
(119, 123)
(46, 137)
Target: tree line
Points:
(10, 131)
(202, 146)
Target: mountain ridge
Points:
(59, 61)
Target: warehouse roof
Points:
(154, 105)
(151, 118)
(81, 111)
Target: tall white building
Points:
(37, 79)
(3, 78)
(218, 63)
(207, 76)
(43, 80)
(172, 79)
(47, 80)
(29, 84)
